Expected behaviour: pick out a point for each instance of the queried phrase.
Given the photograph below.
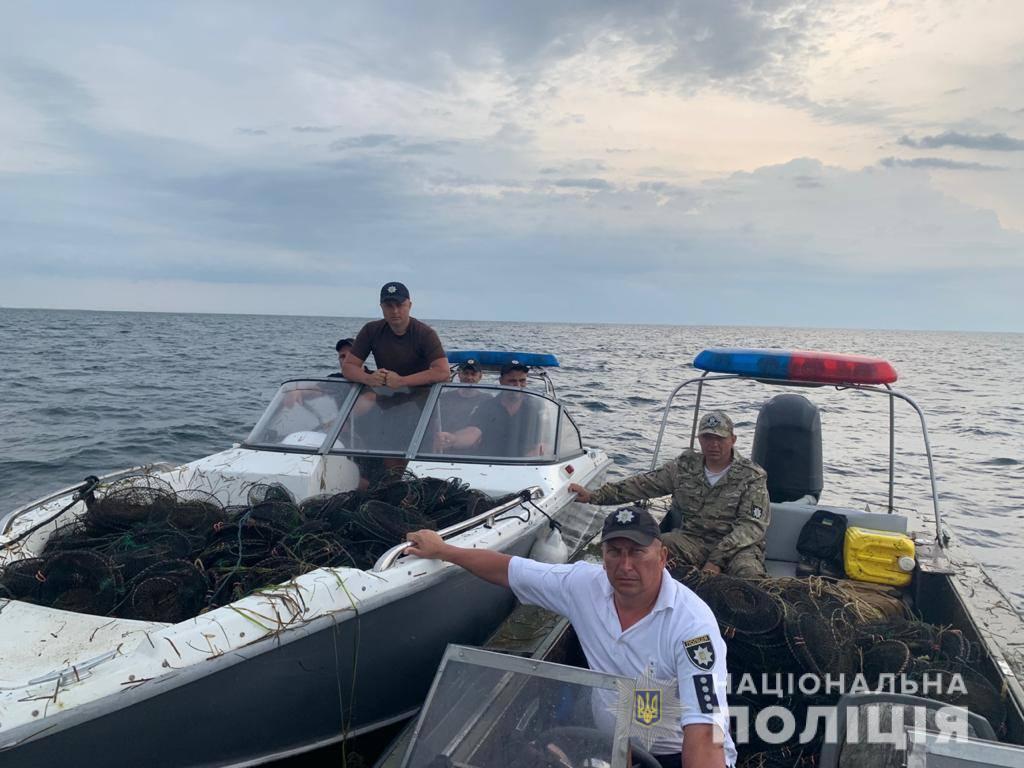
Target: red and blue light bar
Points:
(796, 365)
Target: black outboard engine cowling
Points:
(787, 444)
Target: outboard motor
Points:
(787, 444)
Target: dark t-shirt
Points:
(504, 433)
(407, 354)
(456, 410)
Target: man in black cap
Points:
(457, 406)
(470, 372)
(408, 353)
(632, 619)
(503, 425)
(343, 348)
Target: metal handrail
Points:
(885, 390)
(8, 520)
(388, 559)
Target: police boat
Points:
(953, 698)
(962, 641)
(273, 669)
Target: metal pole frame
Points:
(887, 390)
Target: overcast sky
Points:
(806, 162)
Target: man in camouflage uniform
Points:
(722, 495)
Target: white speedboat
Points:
(328, 654)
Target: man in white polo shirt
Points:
(632, 619)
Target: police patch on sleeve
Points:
(757, 513)
(707, 699)
(700, 652)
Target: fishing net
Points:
(142, 550)
(815, 645)
(827, 629)
(964, 687)
(79, 580)
(377, 526)
(169, 591)
(741, 607)
(23, 579)
(884, 657)
(195, 512)
(784, 756)
(128, 502)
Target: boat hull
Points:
(341, 679)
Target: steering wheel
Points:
(580, 742)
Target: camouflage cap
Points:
(715, 423)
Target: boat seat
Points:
(779, 568)
(860, 752)
(789, 517)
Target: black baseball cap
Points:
(515, 365)
(470, 365)
(393, 292)
(343, 343)
(634, 523)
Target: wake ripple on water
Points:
(999, 461)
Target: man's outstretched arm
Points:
(484, 563)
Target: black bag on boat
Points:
(820, 544)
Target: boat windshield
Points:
(446, 422)
(383, 420)
(301, 414)
(502, 423)
(490, 709)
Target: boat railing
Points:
(8, 520)
(486, 517)
(891, 393)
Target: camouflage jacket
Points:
(727, 517)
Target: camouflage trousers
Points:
(747, 563)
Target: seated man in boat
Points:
(722, 495)
(460, 406)
(632, 619)
(343, 348)
(502, 425)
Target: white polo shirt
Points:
(678, 640)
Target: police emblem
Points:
(700, 652)
(392, 288)
(647, 707)
(650, 707)
(757, 513)
(624, 516)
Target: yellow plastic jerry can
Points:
(881, 557)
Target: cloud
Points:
(940, 163)
(594, 184)
(807, 182)
(996, 142)
(463, 136)
(369, 141)
(47, 89)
